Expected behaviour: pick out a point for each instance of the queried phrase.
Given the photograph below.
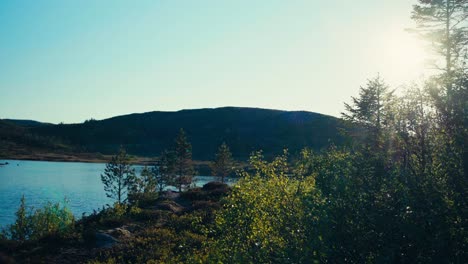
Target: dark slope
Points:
(243, 129)
(18, 139)
(26, 123)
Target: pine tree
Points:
(184, 170)
(443, 23)
(118, 177)
(165, 170)
(223, 164)
(372, 111)
(146, 182)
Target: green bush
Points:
(268, 217)
(142, 199)
(51, 219)
(114, 216)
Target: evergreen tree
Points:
(143, 186)
(183, 166)
(372, 115)
(371, 111)
(165, 170)
(443, 23)
(118, 177)
(223, 164)
(146, 182)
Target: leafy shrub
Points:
(268, 217)
(114, 216)
(142, 199)
(205, 205)
(151, 215)
(51, 219)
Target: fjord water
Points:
(42, 181)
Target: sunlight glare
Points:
(404, 57)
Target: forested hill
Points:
(243, 129)
(25, 123)
(18, 139)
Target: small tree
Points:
(165, 170)
(146, 182)
(21, 229)
(118, 177)
(144, 186)
(184, 170)
(223, 164)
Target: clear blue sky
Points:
(74, 60)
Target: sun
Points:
(404, 57)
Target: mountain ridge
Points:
(244, 129)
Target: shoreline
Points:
(87, 158)
(76, 157)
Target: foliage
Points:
(146, 183)
(118, 177)
(373, 112)
(144, 187)
(166, 237)
(266, 218)
(166, 169)
(443, 24)
(183, 167)
(396, 194)
(51, 219)
(400, 186)
(21, 229)
(223, 165)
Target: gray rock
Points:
(104, 240)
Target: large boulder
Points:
(104, 240)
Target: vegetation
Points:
(17, 140)
(443, 24)
(165, 169)
(223, 165)
(243, 129)
(144, 187)
(118, 177)
(395, 194)
(30, 224)
(183, 164)
(268, 217)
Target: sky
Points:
(69, 61)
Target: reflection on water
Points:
(42, 181)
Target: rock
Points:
(210, 186)
(170, 195)
(170, 206)
(120, 233)
(104, 240)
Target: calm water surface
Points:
(41, 181)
